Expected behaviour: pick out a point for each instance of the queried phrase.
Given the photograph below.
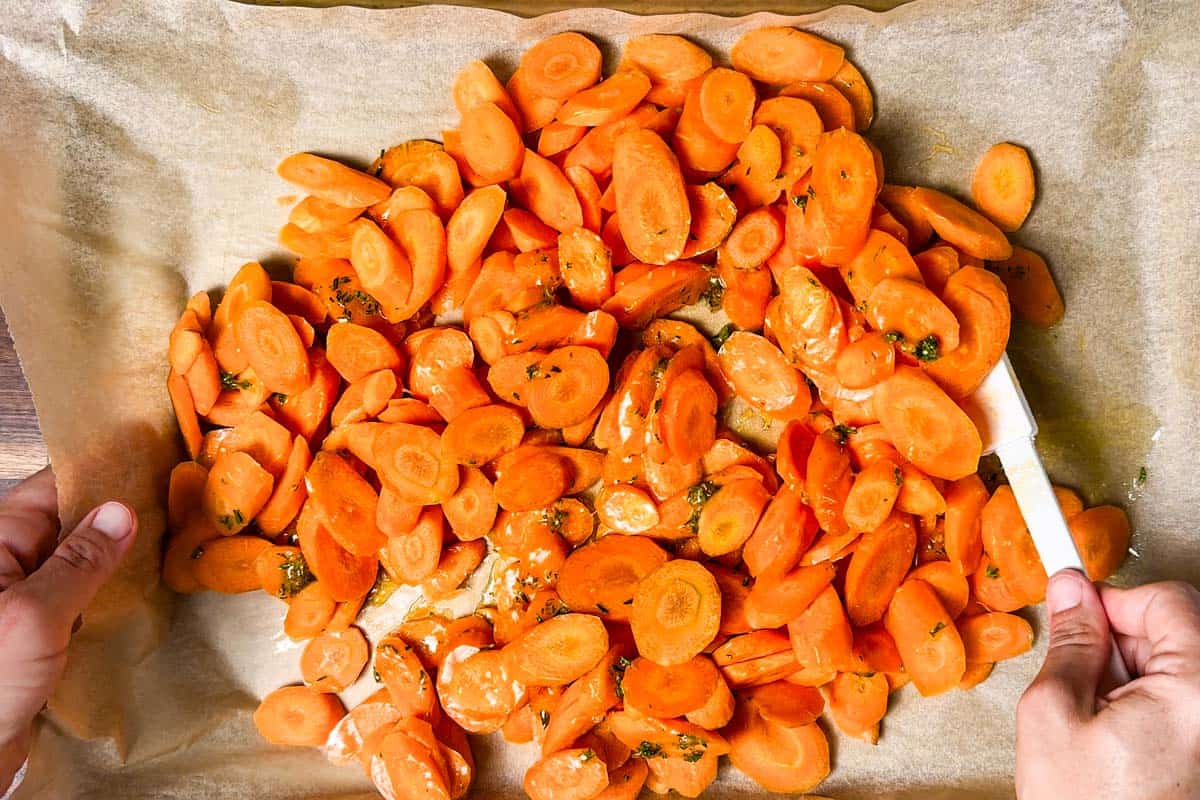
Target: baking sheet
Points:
(137, 148)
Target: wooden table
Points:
(22, 450)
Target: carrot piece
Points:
(295, 300)
(652, 203)
(949, 584)
(797, 125)
(472, 509)
(712, 218)
(1030, 287)
(588, 192)
(185, 492)
(977, 299)
(929, 644)
(585, 703)
(918, 493)
(878, 566)
(856, 89)
(326, 244)
(407, 767)
(469, 229)
(594, 152)
(603, 576)
(808, 322)
(561, 65)
(832, 105)
(412, 460)
(626, 781)
(820, 636)
(755, 176)
(667, 59)
(458, 561)
(314, 215)
(475, 85)
(786, 704)
(1007, 541)
(272, 347)
(676, 612)
(929, 429)
(434, 172)
(342, 575)
(309, 612)
(282, 571)
(511, 376)
(700, 151)
(536, 109)
(235, 491)
(672, 691)
(868, 361)
(421, 235)
(753, 240)
(967, 230)
(347, 741)
(727, 99)
(785, 531)
(988, 638)
(186, 341)
(828, 482)
(477, 690)
(289, 492)
(780, 55)
(759, 372)
(778, 758)
(607, 101)
(626, 509)
(906, 307)
(538, 479)
(545, 190)
(332, 181)
(858, 702)
(408, 684)
(656, 292)
(965, 499)
(356, 351)
(333, 661)
(578, 774)
(873, 495)
(778, 597)
(479, 435)
(558, 650)
(345, 503)
(1102, 535)
(569, 384)
(434, 637)
(1003, 185)
(402, 198)
(383, 268)
(413, 555)
(228, 564)
(297, 716)
(557, 137)
(937, 264)
(730, 516)
(185, 413)
(586, 266)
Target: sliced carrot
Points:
(545, 190)
(929, 644)
(878, 566)
(784, 531)
(797, 125)
(569, 384)
(557, 137)
(472, 509)
(755, 175)
(585, 702)
(833, 106)
(828, 482)
(965, 499)
(289, 492)
(383, 268)
(820, 636)
(988, 638)
(420, 233)
(753, 240)
(297, 716)
(309, 612)
(411, 556)
(727, 100)
(356, 351)
(347, 740)
(950, 585)
(409, 768)
(412, 460)
(558, 650)
(314, 215)
(667, 59)
(457, 563)
(185, 413)
(786, 704)
(435, 172)
(809, 327)
(857, 703)
(1003, 185)
(227, 564)
(578, 774)
(873, 495)
(1102, 535)
(977, 299)
(676, 612)
(656, 292)
(342, 575)
(730, 516)
(778, 758)
(712, 218)
(856, 89)
(778, 597)
(607, 101)
(967, 230)
(477, 84)
(561, 65)
(408, 684)
(759, 372)
(332, 181)
(333, 661)
(536, 110)
(589, 194)
(780, 55)
(602, 576)
(1007, 540)
(345, 503)
(235, 491)
(701, 152)
(929, 429)
(652, 203)
(1031, 287)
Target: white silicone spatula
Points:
(1010, 433)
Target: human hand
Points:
(45, 585)
(1140, 740)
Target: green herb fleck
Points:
(296, 574)
(891, 337)
(899, 476)
(603, 609)
(687, 741)
(720, 336)
(279, 397)
(800, 201)
(532, 372)
(647, 750)
(587, 755)
(937, 628)
(230, 381)
(992, 571)
(927, 349)
(618, 670)
(198, 553)
(660, 368)
(693, 756)
(658, 404)
(811, 191)
(338, 281)
(714, 295)
(544, 718)
(697, 496)
(554, 519)
(1142, 475)
(844, 432)
(231, 519)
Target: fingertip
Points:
(1065, 591)
(115, 520)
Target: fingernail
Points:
(113, 520)
(1064, 592)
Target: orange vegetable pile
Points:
(666, 593)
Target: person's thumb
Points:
(84, 560)
(1079, 648)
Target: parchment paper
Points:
(137, 147)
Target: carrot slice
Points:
(797, 125)
(586, 266)
(759, 372)
(753, 240)
(1030, 287)
(356, 351)
(949, 584)
(333, 661)
(780, 55)
(977, 299)
(289, 492)
(929, 429)
(988, 638)
(332, 181)
(578, 774)
(477, 84)
(1003, 185)
(786, 704)
(833, 106)
(778, 758)
(673, 691)
(609, 100)
(412, 460)
(676, 612)
(235, 491)
(656, 292)
(458, 561)
(570, 382)
(347, 740)
(713, 215)
(967, 230)
(407, 767)
(778, 597)
(272, 347)
(652, 203)
(603, 576)
(727, 100)
(561, 65)
(413, 556)
(589, 194)
(785, 531)
(297, 716)
(929, 644)
(1102, 536)
(479, 435)
(965, 499)
(856, 89)
(878, 567)
(185, 413)
(730, 516)
(557, 137)
(558, 650)
(228, 564)
(345, 504)
(420, 233)
(858, 702)
(626, 509)
(383, 268)
(667, 59)
(820, 636)
(472, 509)
(1007, 540)
(342, 575)
(545, 190)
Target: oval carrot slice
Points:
(988, 638)
(967, 230)
(782, 55)
(1031, 288)
(759, 372)
(977, 299)
(778, 758)
(929, 644)
(833, 106)
(727, 100)
(558, 650)
(928, 428)
(235, 491)
(569, 383)
(1102, 536)
(297, 716)
(332, 181)
(411, 459)
(965, 499)
(665, 692)
(730, 516)
(479, 435)
(342, 575)
(652, 203)
(578, 774)
(272, 347)
(676, 612)
(603, 576)
(1008, 543)
(413, 555)
(899, 305)
(1003, 185)
(950, 585)
(345, 503)
(477, 84)
(544, 189)
(561, 65)
(786, 703)
(332, 661)
(228, 564)
(609, 100)
(857, 703)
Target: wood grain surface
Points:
(22, 450)
(531, 8)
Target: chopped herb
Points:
(687, 741)
(714, 294)
(375, 674)
(387, 649)
(660, 368)
(865, 674)
(861, 307)
(338, 281)
(891, 337)
(697, 496)
(603, 609)
(843, 174)
(927, 349)
(992, 571)
(937, 628)
(532, 371)
(587, 755)
(844, 432)
(198, 553)
(800, 201)
(720, 336)
(647, 750)
(230, 381)
(813, 281)
(279, 397)
(232, 519)
(693, 756)
(627, 602)
(746, 581)
(554, 519)
(618, 670)
(811, 192)
(658, 404)
(899, 476)
(544, 718)
(296, 574)
(1142, 475)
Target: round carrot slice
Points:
(1003, 185)
(968, 230)
(665, 692)
(479, 435)
(727, 99)
(410, 458)
(477, 689)
(603, 576)
(759, 372)
(576, 774)
(570, 382)
(676, 612)
(535, 481)
(272, 347)
(927, 427)
(333, 661)
(561, 65)
(297, 716)
(687, 417)
(1102, 536)
(626, 509)
(558, 650)
(778, 758)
